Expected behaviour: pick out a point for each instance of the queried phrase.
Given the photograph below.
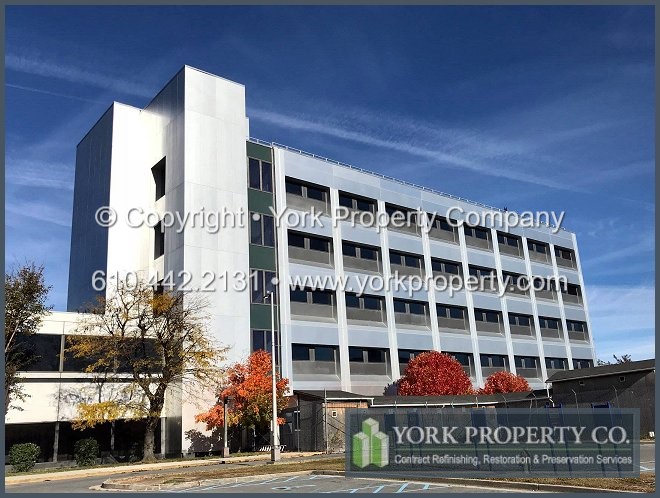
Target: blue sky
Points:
(532, 108)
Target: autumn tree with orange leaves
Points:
(249, 385)
(434, 374)
(504, 382)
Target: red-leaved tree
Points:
(504, 382)
(250, 387)
(434, 374)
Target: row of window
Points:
(48, 353)
(358, 203)
(512, 281)
(410, 307)
(310, 352)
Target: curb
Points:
(130, 469)
(528, 486)
(111, 484)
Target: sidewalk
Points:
(140, 467)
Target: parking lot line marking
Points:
(377, 490)
(403, 486)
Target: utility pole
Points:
(275, 430)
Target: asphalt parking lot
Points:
(336, 484)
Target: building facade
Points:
(189, 151)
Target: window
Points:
(366, 355)
(507, 240)
(538, 247)
(489, 316)
(262, 230)
(296, 240)
(405, 355)
(526, 361)
(440, 223)
(577, 363)
(556, 363)
(410, 307)
(548, 323)
(515, 282)
(493, 360)
(360, 252)
(260, 174)
(300, 352)
(309, 296)
(520, 320)
(572, 290)
(307, 190)
(402, 259)
(159, 240)
(158, 172)
(402, 218)
(482, 273)
(464, 359)
(573, 326)
(563, 253)
(309, 242)
(324, 353)
(443, 266)
(40, 352)
(355, 355)
(476, 232)
(356, 203)
(262, 340)
(261, 283)
(364, 302)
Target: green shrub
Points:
(23, 457)
(85, 451)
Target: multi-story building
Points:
(189, 151)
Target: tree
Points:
(434, 374)
(150, 342)
(617, 360)
(249, 385)
(25, 307)
(504, 382)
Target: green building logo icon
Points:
(370, 446)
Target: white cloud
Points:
(623, 320)
(40, 67)
(27, 173)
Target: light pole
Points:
(275, 430)
(225, 405)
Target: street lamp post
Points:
(275, 430)
(225, 447)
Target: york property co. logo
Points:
(370, 446)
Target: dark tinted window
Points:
(413, 261)
(321, 298)
(363, 205)
(396, 259)
(355, 354)
(345, 201)
(456, 313)
(318, 244)
(367, 253)
(451, 268)
(254, 173)
(39, 352)
(349, 250)
(315, 193)
(416, 308)
(491, 317)
(296, 240)
(293, 188)
(375, 356)
(371, 303)
(324, 353)
(269, 231)
(352, 301)
(399, 306)
(299, 352)
(298, 296)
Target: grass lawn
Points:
(124, 464)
